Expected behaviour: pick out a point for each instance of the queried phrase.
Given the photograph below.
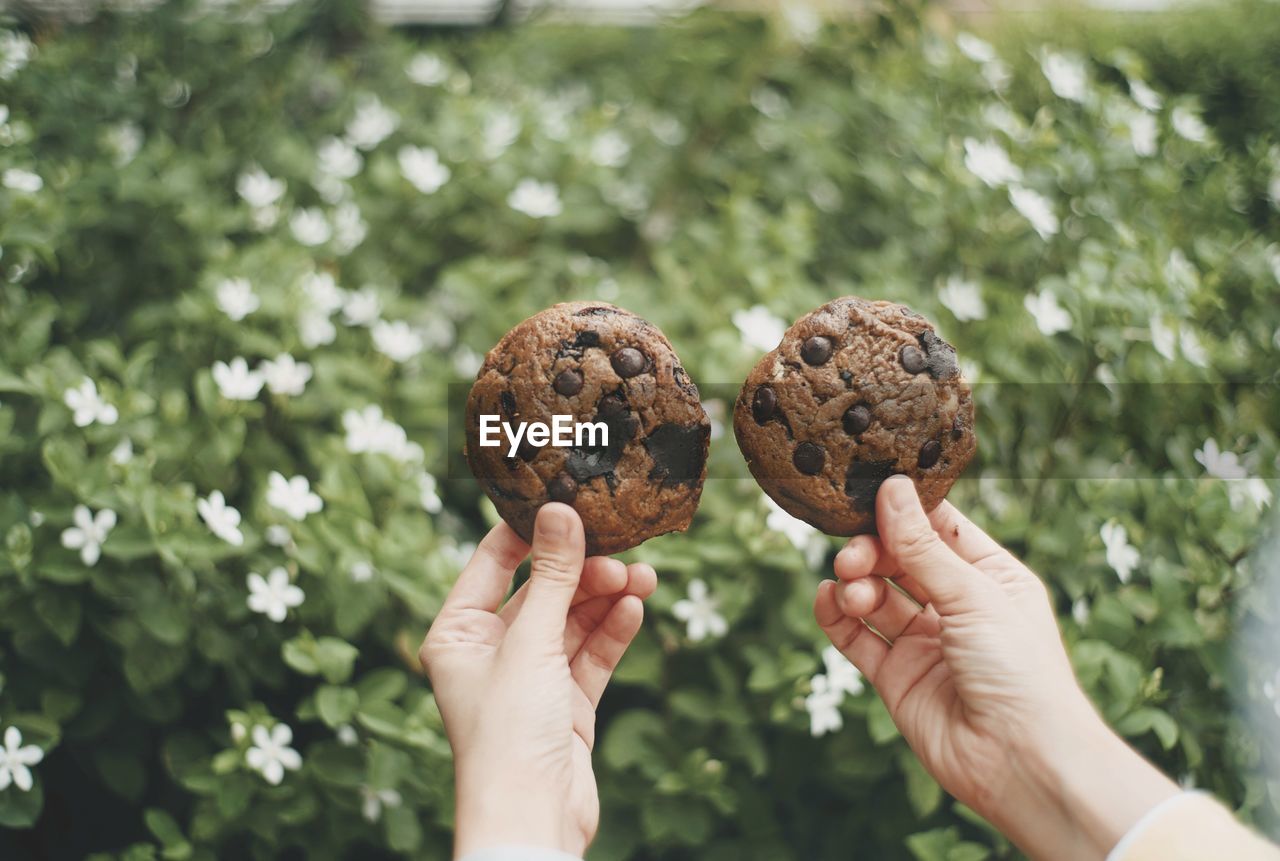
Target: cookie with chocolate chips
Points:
(856, 392)
(602, 365)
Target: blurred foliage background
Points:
(214, 657)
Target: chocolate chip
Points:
(863, 479)
(816, 350)
(679, 453)
(763, 404)
(568, 382)
(628, 362)
(809, 458)
(508, 404)
(562, 488)
(612, 404)
(913, 361)
(929, 453)
(857, 419)
(594, 312)
(527, 451)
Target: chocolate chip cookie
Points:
(857, 391)
(601, 365)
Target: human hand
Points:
(518, 686)
(972, 669)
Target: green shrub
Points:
(696, 171)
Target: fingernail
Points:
(552, 523)
(897, 494)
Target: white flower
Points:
(769, 102)
(1080, 611)
(293, 496)
(265, 218)
(362, 308)
(802, 536)
(278, 535)
(1192, 348)
(16, 759)
(87, 406)
(1145, 97)
(1122, 556)
(1218, 463)
(841, 674)
(428, 498)
(501, 128)
(1143, 133)
(235, 381)
(963, 298)
(823, 705)
(372, 124)
(1051, 318)
(256, 187)
(315, 329)
(89, 532)
(124, 140)
(323, 292)
(1163, 338)
(803, 23)
(122, 453)
(1271, 690)
(996, 74)
(427, 70)
(285, 376)
(349, 227)
(337, 159)
(535, 199)
(273, 595)
(235, 298)
(369, 431)
(610, 149)
(1035, 208)
(310, 227)
(396, 340)
(467, 361)
(16, 51)
(347, 735)
(760, 327)
(1187, 123)
(1066, 74)
(270, 754)
(423, 168)
(988, 161)
(17, 179)
(375, 799)
(362, 571)
(974, 48)
(1250, 490)
(699, 613)
(999, 117)
(222, 520)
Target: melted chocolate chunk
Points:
(863, 479)
(586, 462)
(816, 350)
(941, 360)
(595, 312)
(678, 452)
(913, 360)
(568, 382)
(579, 344)
(764, 404)
(857, 419)
(612, 404)
(929, 453)
(562, 488)
(809, 458)
(509, 404)
(628, 362)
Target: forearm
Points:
(490, 816)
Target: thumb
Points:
(952, 585)
(559, 551)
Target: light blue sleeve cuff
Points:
(519, 853)
(1145, 821)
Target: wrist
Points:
(498, 812)
(1078, 787)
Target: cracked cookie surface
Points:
(856, 391)
(596, 363)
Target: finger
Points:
(642, 580)
(595, 662)
(583, 619)
(601, 575)
(849, 635)
(863, 556)
(966, 539)
(950, 583)
(559, 549)
(893, 614)
(486, 578)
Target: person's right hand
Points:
(974, 673)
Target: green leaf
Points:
(336, 705)
(923, 792)
(404, 832)
(60, 613)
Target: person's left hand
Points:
(518, 686)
